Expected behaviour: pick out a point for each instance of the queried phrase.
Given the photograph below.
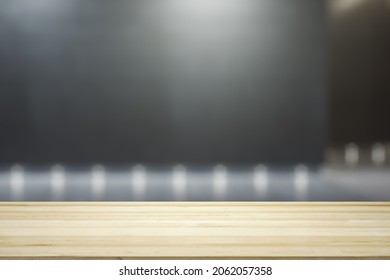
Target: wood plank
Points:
(195, 230)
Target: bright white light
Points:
(17, 182)
(260, 181)
(220, 181)
(139, 181)
(98, 182)
(352, 154)
(57, 182)
(301, 182)
(179, 182)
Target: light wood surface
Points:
(195, 230)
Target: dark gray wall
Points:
(360, 71)
(162, 81)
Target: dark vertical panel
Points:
(360, 88)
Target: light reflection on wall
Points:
(207, 9)
(212, 41)
(209, 80)
(343, 6)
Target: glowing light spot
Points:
(301, 182)
(352, 154)
(98, 182)
(139, 181)
(220, 181)
(260, 181)
(57, 182)
(179, 182)
(17, 182)
(378, 154)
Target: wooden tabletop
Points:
(193, 230)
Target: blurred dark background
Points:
(140, 100)
(167, 81)
(163, 81)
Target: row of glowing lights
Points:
(138, 181)
(180, 180)
(353, 154)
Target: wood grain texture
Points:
(195, 230)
